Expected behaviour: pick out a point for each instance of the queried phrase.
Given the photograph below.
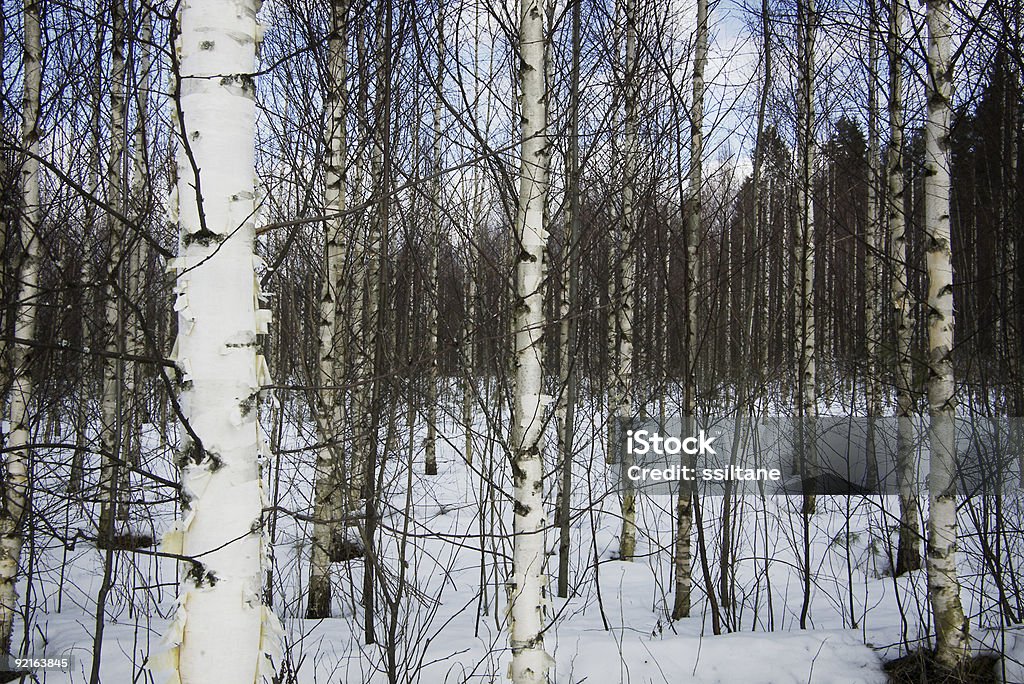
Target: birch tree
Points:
(805, 338)
(872, 386)
(806, 153)
(222, 631)
(908, 557)
(113, 366)
(430, 466)
(951, 647)
(627, 277)
(569, 326)
(18, 456)
(330, 463)
(528, 593)
(684, 504)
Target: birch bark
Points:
(222, 631)
(527, 590)
(433, 291)
(18, 455)
(872, 385)
(568, 328)
(627, 277)
(951, 646)
(684, 504)
(908, 556)
(808, 406)
(330, 457)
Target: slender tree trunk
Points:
(528, 593)
(908, 556)
(627, 277)
(569, 327)
(330, 456)
(951, 646)
(222, 629)
(614, 269)
(806, 353)
(808, 406)
(872, 386)
(469, 332)
(761, 231)
(694, 207)
(369, 362)
(18, 455)
(433, 288)
(113, 366)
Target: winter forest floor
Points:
(448, 625)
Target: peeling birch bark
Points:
(222, 631)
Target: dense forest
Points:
(328, 329)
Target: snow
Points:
(447, 631)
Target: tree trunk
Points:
(433, 289)
(693, 208)
(872, 386)
(569, 327)
(908, 556)
(329, 458)
(222, 629)
(18, 455)
(807, 400)
(808, 406)
(951, 646)
(528, 593)
(113, 366)
(627, 279)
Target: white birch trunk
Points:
(684, 503)
(615, 270)
(15, 501)
(222, 631)
(951, 647)
(872, 386)
(329, 458)
(527, 586)
(908, 557)
(806, 153)
(627, 277)
(568, 329)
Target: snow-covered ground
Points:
(445, 548)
